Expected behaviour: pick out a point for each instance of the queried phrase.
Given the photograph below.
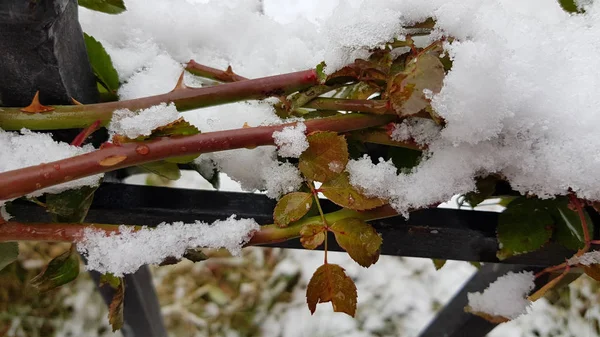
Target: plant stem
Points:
(16, 183)
(226, 76)
(382, 137)
(80, 116)
(361, 105)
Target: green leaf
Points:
(292, 207)
(525, 226)
(312, 235)
(570, 6)
(486, 187)
(326, 156)
(101, 64)
(359, 239)
(9, 251)
(438, 263)
(405, 90)
(115, 310)
(110, 279)
(330, 283)
(321, 72)
(339, 190)
(163, 168)
(70, 205)
(61, 270)
(568, 230)
(104, 6)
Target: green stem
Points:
(80, 116)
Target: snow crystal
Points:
(134, 124)
(291, 140)
(421, 130)
(126, 252)
(280, 179)
(30, 148)
(505, 297)
(586, 259)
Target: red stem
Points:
(226, 76)
(67, 232)
(26, 180)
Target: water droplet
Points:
(46, 175)
(38, 185)
(56, 166)
(350, 200)
(142, 149)
(112, 160)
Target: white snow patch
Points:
(586, 259)
(134, 124)
(4, 215)
(421, 130)
(291, 140)
(126, 252)
(505, 297)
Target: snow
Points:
(27, 148)
(126, 252)
(291, 140)
(421, 130)
(586, 259)
(505, 297)
(4, 215)
(134, 124)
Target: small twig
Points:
(315, 194)
(85, 133)
(226, 76)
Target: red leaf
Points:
(359, 239)
(326, 156)
(330, 283)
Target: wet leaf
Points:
(9, 251)
(180, 127)
(593, 271)
(486, 187)
(568, 230)
(359, 239)
(525, 226)
(60, 270)
(72, 205)
(102, 64)
(104, 6)
(339, 190)
(163, 168)
(312, 235)
(326, 156)
(110, 279)
(329, 283)
(292, 207)
(115, 310)
(405, 90)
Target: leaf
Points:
(195, 255)
(488, 317)
(59, 271)
(9, 251)
(359, 239)
(104, 6)
(180, 127)
(339, 190)
(71, 205)
(321, 72)
(405, 90)
(115, 310)
(326, 156)
(404, 159)
(292, 207)
(110, 279)
(593, 271)
(312, 235)
(570, 6)
(163, 168)
(360, 70)
(568, 230)
(329, 283)
(438, 263)
(101, 64)
(486, 187)
(525, 226)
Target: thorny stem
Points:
(323, 219)
(226, 76)
(16, 183)
(80, 116)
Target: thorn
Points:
(229, 70)
(36, 106)
(180, 85)
(76, 102)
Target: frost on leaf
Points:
(504, 299)
(312, 235)
(410, 91)
(326, 156)
(292, 207)
(359, 239)
(331, 284)
(339, 190)
(291, 140)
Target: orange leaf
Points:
(312, 235)
(405, 90)
(330, 283)
(292, 207)
(326, 156)
(593, 271)
(115, 310)
(339, 190)
(359, 239)
(488, 317)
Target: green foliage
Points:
(164, 169)
(60, 270)
(9, 251)
(486, 187)
(438, 263)
(101, 63)
(570, 6)
(104, 6)
(359, 239)
(525, 226)
(292, 207)
(331, 284)
(71, 205)
(568, 230)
